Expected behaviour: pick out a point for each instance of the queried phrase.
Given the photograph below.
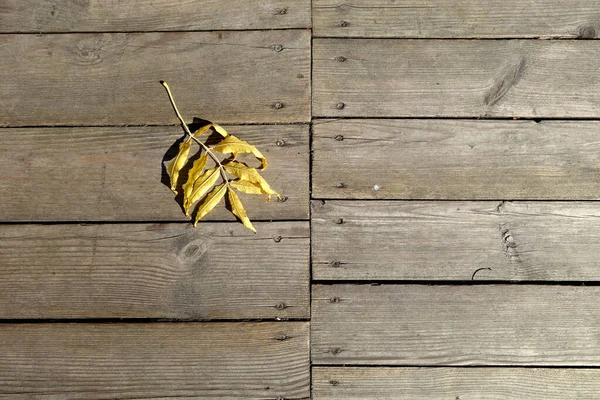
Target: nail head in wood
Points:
(280, 143)
(340, 59)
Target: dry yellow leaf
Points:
(234, 145)
(238, 210)
(203, 129)
(194, 174)
(246, 186)
(200, 182)
(220, 130)
(246, 173)
(201, 186)
(178, 162)
(211, 200)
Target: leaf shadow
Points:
(172, 151)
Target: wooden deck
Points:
(440, 163)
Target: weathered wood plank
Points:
(457, 18)
(463, 78)
(219, 271)
(333, 383)
(522, 241)
(113, 79)
(114, 173)
(455, 325)
(158, 15)
(456, 159)
(152, 361)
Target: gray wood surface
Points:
(113, 79)
(420, 240)
(218, 271)
(463, 78)
(457, 18)
(152, 361)
(455, 325)
(333, 383)
(456, 159)
(115, 173)
(157, 15)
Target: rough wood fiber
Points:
(158, 15)
(152, 361)
(547, 241)
(219, 271)
(455, 325)
(454, 383)
(463, 78)
(114, 174)
(456, 159)
(113, 78)
(457, 18)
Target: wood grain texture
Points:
(113, 78)
(333, 383)
(157, 15)
(456, 159)
(115, 174)
(152, 361)
(463, 78)
(218, 271)
(455, 325)
(457, 18)
(416, 240)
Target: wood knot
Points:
(340, 59)
(334, 383)
(339, 138)
(277, 48)
(339, 221)
(283, 199)
(335, 299)
(280, 143)
(340, 185)
(281, 306)
(587, 32)
(335, 264)
(340, 106)
(282, 337)
(343, 24)
(280, 11)
(335, 351)
(278, 106)
(277, 239)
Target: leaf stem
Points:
(191, 136)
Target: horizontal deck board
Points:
(152, 361)
(456, 159)
(455, 325)
(218, 271)
(113, 78)
(461, 78)
(456, 19)
(350, 383)
(115, 173)
(160, 15)
(462, 240)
